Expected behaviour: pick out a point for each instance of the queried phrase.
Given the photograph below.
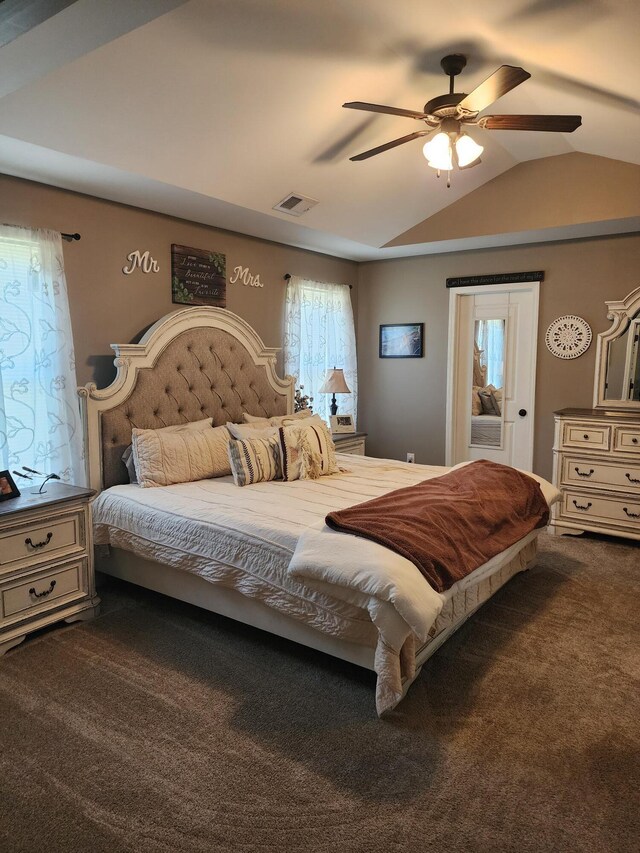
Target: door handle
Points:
(523, 413)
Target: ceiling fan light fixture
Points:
(437, 152)
(467, 150)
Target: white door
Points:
(492, 369)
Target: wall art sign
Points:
(244, 275)
(198, 276)
(495, 278)
(140, 260)
(401, 340)
(568, 336)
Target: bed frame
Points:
(208, 362)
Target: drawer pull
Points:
(631, 514)
(634, 441)
(582, 506)
(631, 479)
(584, 473)
(36, 545)
(586, 436)
(47, 592)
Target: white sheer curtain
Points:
(319, 334)
(39, 413)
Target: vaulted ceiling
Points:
(214, 110)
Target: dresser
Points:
(46, 561)
(350, 442)
(596, 466)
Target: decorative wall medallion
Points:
(242, 274)
(568, 336)
(143, 260)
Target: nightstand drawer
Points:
(594, 437)
(41, 590)
(627, 440)
(41, 540)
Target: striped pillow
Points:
(307, 450)
(254, 460)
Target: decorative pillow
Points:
(476, 405)
(253, 430)
(307, 450)
(497, 393)
(127, 456)
(254, 460)
(163, 457)
(277, 420)
(488, 402)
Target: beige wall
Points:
(402, 402)
(551, 192)
(109, 307)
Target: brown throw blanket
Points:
(450, 525)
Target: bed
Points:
(486, 430)
(233, 550)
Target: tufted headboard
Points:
(194, 363)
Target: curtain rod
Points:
(70, 237)
(287, 276)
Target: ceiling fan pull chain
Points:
(449, 180)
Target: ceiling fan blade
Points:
(506, 78)
(373, 151)
(379, 108)
(559, 124)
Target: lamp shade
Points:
(438, 152)
(335, 383)
(467, 150)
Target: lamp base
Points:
(334, 405)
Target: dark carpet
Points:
(159, 727)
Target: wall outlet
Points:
(411, 457)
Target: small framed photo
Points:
(401, 340)
(342, 423)
(8, 488)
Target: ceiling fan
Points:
(449, 113)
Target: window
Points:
(319, 335)
(39, 412)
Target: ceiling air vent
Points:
(295, 204)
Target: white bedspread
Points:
(269, 542)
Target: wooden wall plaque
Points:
(198, 276)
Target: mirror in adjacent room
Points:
(487, 383)
(617, 383)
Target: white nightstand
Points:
(350, 442)
(46, 561)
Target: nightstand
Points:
(350, 442)
(46, 561)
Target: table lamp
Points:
(334, 383)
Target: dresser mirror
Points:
(617, 381)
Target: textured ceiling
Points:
(216, 110)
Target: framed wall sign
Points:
(401, 340)
(198, 276)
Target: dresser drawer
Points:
(619, 511)
(603, 475)
(626, 439)
(41, 540)
(39, 591)
(595, 437)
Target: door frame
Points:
(452, 351)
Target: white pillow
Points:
(254, 460)
(163, 457)
(253, 430)
(307, 450)
(277, 420)
(127, 456)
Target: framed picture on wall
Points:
(198, 276)
(401, 340)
